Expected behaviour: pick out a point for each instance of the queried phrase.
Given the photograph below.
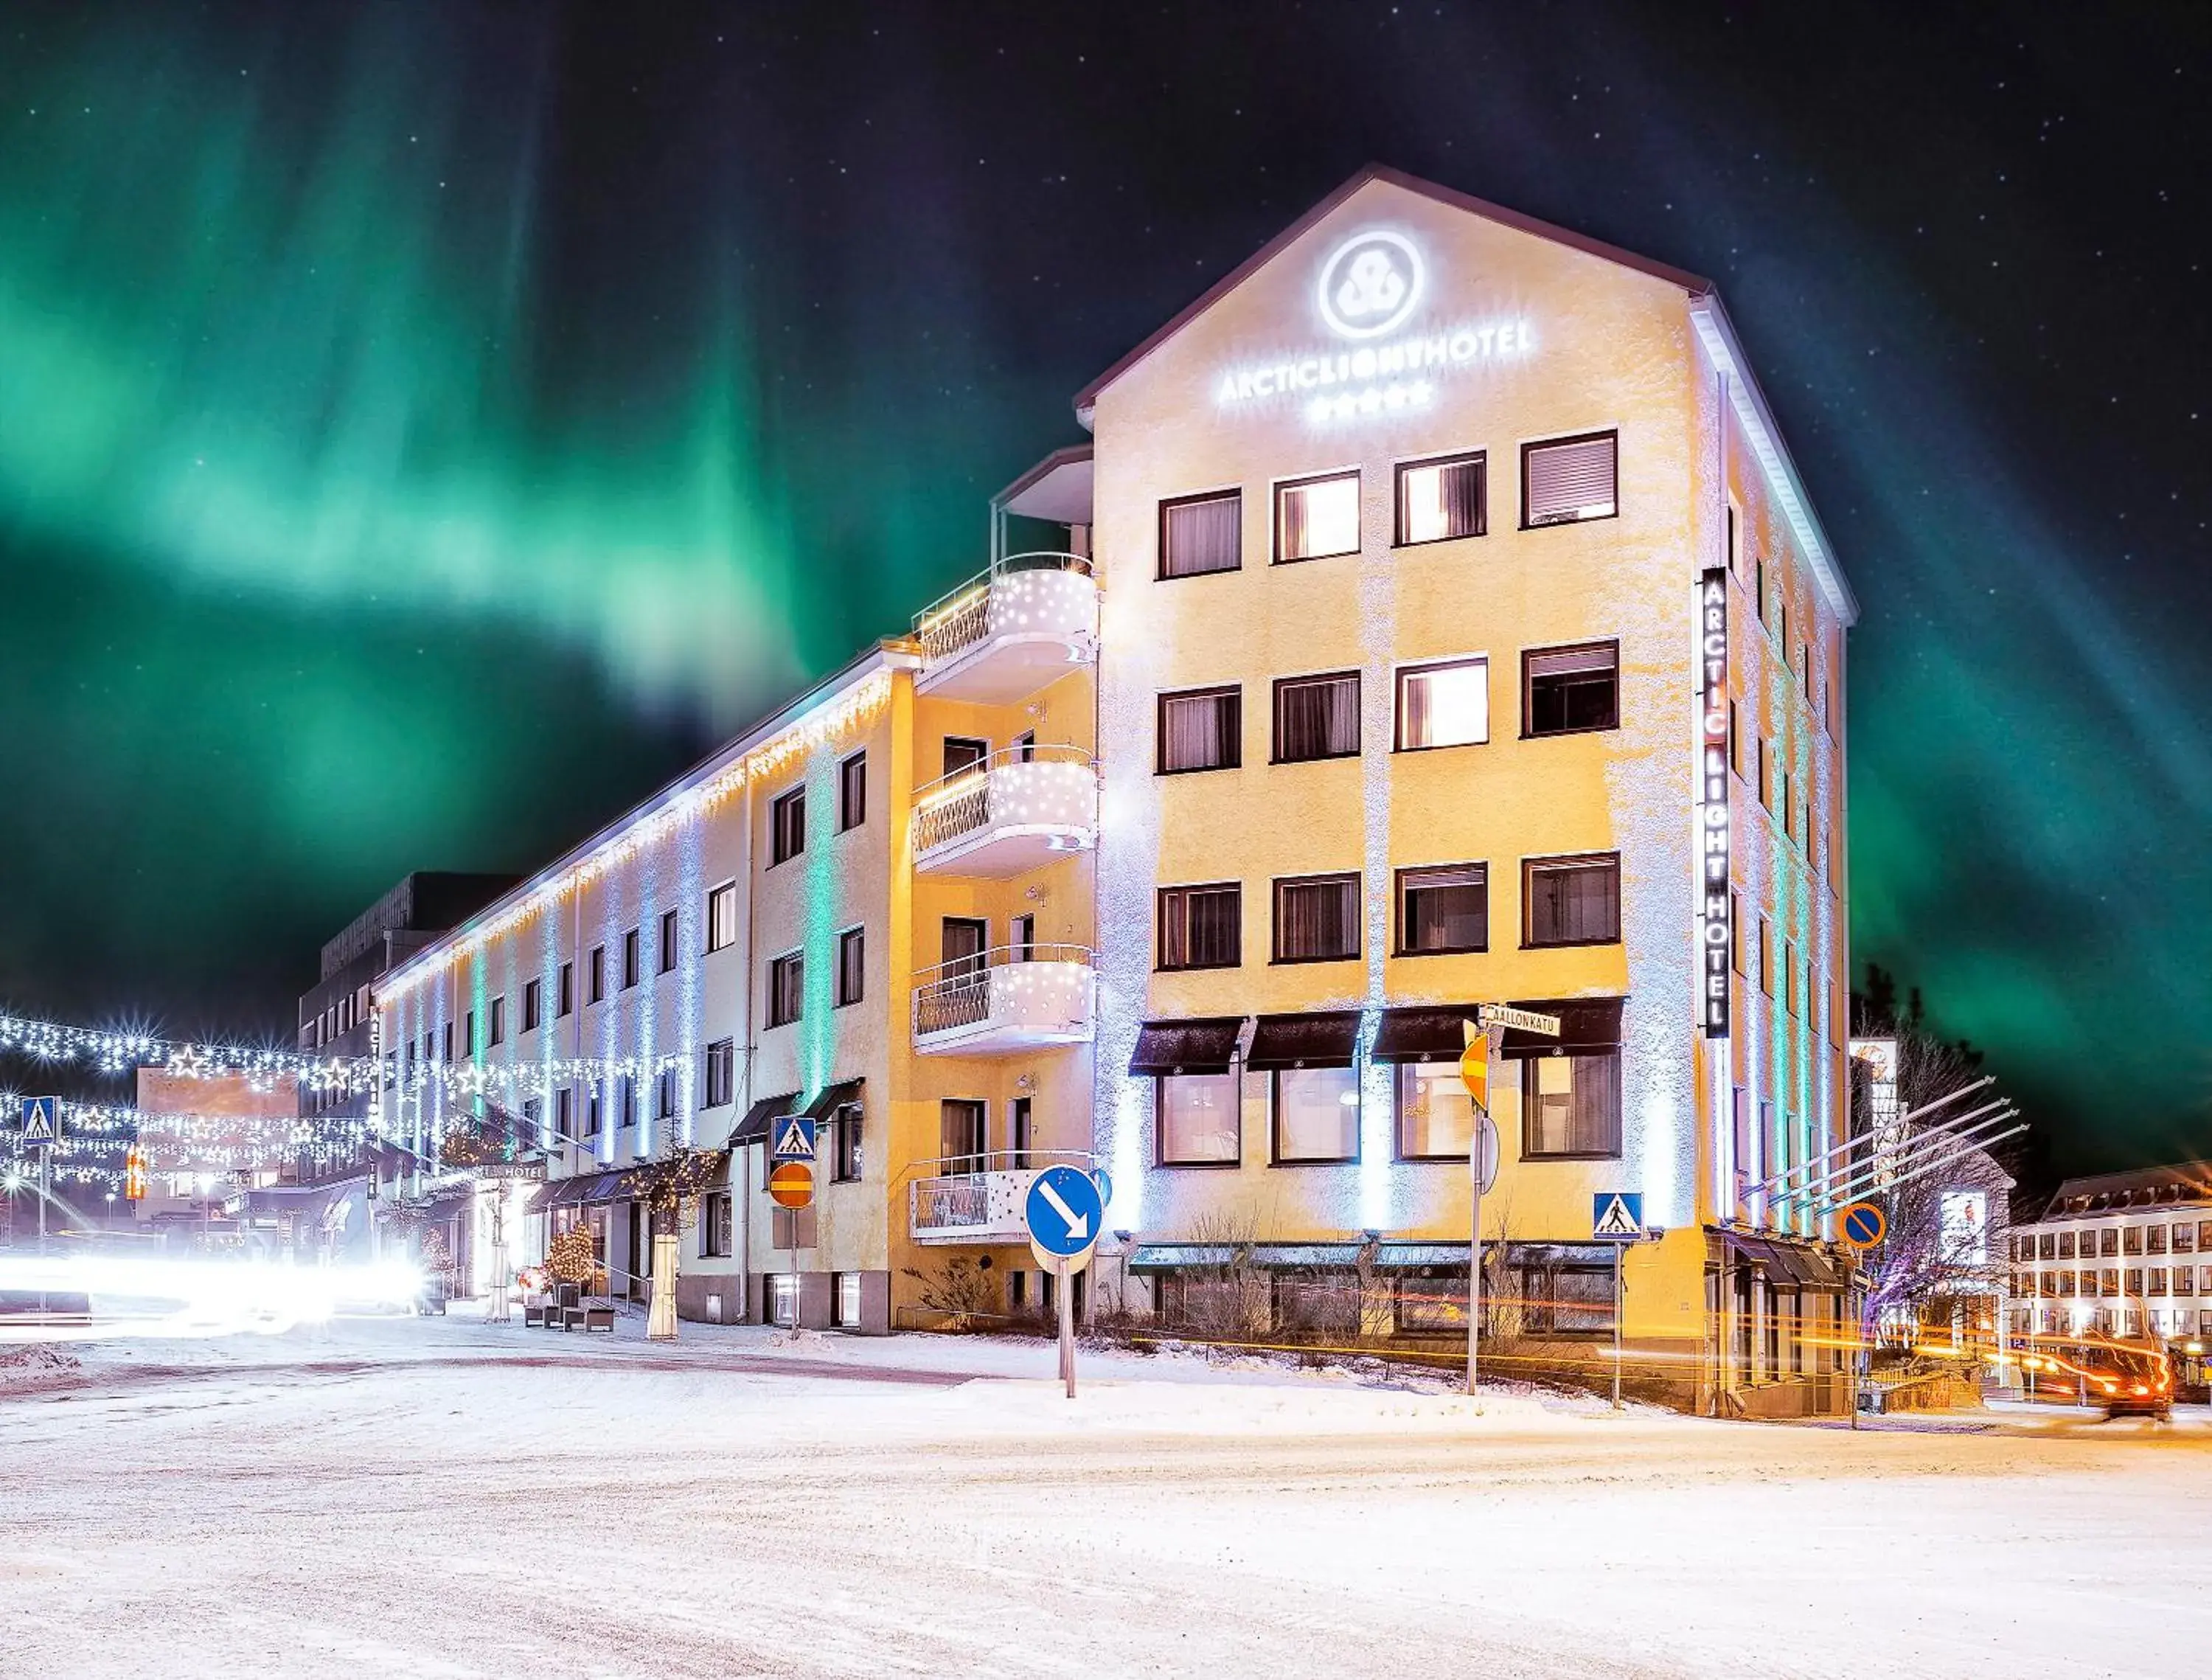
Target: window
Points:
(496, 1034)
(2154, 1240)
(2135, 1280)
(564, 1115)
(721, 1073)
(533, 1004)
(2066, 1246)
(1439, 500)
(1316, 717)
(625, 1102)
(1316, 1114)
(1571, 1105)
(722, 916)
(632, 966)
(1444, 704)
(2184, 1280)
(599, 974)
(1444, 908)
(851, 965)
(468, 1034)
(1568, 1291)
(846, 1300)
(853, 792)
(670, 937)
(1201, 729)
(787, 826)
(448, 1045)
(594, 1111)
(1436, 1116)
(1317, 518)
(2132, 1239)
(1568, 479)
(845, 1157)
(714, 1225)
(1201, 534)
(2157, 1281)
(1201, 927)
(663, 1095)
(1199, 1120)
(1567, 691)
(567, 990)
(1022, 1126)
(963, 1124)
(2184, 1239)
(1317, 919)
(964, 752)
(2108, 1242)
(1571, 900)
(786, 984)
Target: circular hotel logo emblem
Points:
(1370, 285)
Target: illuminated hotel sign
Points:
(1367, 291)
(1716, 934)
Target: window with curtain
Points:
(786, 987)
(1201, 927)
(1316, 1114)
(1436, 1116)
(1570, 1105)
(1444, 908)
(1316, 717)
(721, 1081)
(1439, 500)
(1569, 478)
(1571, 900)
(1198, 1120)
(1317, 518)
(851, 965)
(1201, 729)
(1201, 534)
(963, 1138)
(1317, 919)
(1566, 690)
(722, 916)
(787, 826)
(1443, 704)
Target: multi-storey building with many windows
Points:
(2121, 1254)
(1439, 621)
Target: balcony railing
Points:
(981, 1197)
(1011, 997)
(1013, 811)
(1001, 636)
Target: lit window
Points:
(1571, 900)
(1443, 909)
(1569, 689)
(848, 1301)
(1316, 717)
(1201, 927)
(1198, 1119)
(1570, 1105)
(1569, 480)
(1202, 729)
(1317, 518)
(1317, 919)
(1443, 704)
(1440, 500)
(1316, 1114)
(1436, 1116)
(1201, 534)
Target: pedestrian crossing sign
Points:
(1618, 1213)
(794, 1140)
(40, 1125)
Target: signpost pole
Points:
(1619, 1249)
(1474, 1225)
(1066, 1330)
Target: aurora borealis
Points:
(424, 429)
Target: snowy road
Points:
(442, 1499)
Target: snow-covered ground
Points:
(444, 1498)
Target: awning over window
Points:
(1587, 1025)
(1422, 1034)
(754, 1127)
(832, 1098)
(583, 1188)
(1388, 1256)
(1785, 1262)
(1323, 1040)
(1186, 1047)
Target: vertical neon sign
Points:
(1715, 937)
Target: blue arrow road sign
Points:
(1617, 1213)
(794, 1140)
(40, 1125)
(1064, 1211)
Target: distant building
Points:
(201, 1169)
(2122, 1254)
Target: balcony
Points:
(1021, 807)
(1011, 998)
(1000, 638)
(980, 1198)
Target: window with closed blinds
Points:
(1440, 500)
(1569, 478)
(1444, 704)
(1571, 900)
(1316, 717)
(1571, 1105)
(1317, 919)
(1444, 908)
(1201, 927)
(1201, 534)
(1567, 691)
(1317, 518)
(1201, 729)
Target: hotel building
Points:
(2120, 1254)
(1438, 621)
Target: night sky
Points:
(423, 429)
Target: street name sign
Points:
(1527, 1020)
(41, 1122)
(1617, 1215)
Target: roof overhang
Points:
(1056, 490)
